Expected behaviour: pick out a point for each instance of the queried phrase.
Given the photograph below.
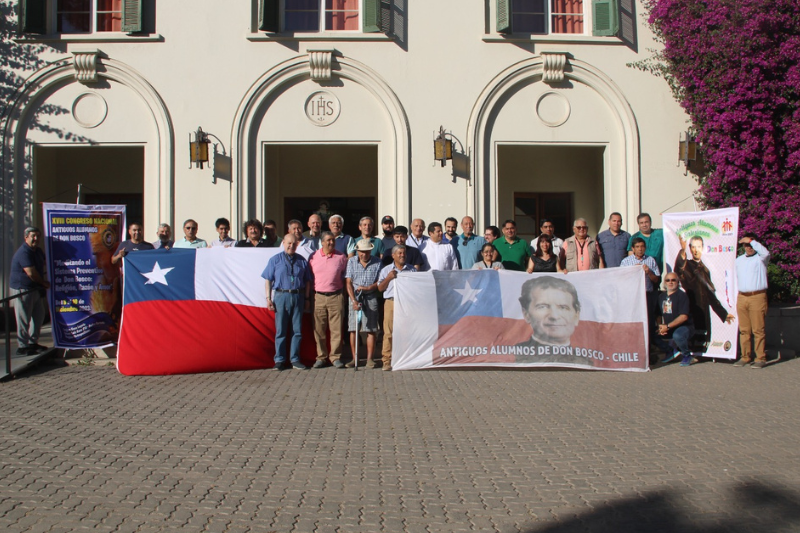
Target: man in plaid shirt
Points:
(361, 277)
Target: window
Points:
(88, 16)
(315, 16)
(80, 16)
(540, 16)
(309, 16)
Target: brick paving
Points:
(709, 448)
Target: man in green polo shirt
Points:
(513, 250)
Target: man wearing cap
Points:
(438, 254)
(362, 287)
(386, 286)
(28, 272)
(413, 256)
(328, 266)
(366, 225)
(387, 224)
(469, 244)
(751, 304)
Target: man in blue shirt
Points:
(614, 242)
(469, 244)
(289, 274)
(28, 272)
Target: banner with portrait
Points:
(595, 320)
(85, 296)
(701, 248)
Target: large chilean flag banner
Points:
(594, 320)
(189, 311)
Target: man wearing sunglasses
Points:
(675, 325)
(190, 239)
(580, 252)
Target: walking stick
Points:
(359, 315)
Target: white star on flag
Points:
(158, 275)
(468, 294)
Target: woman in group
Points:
(487, 261)
(543, 259)
(490, 234)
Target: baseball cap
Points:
(387, 220)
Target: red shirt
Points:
(328, 270)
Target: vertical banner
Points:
(701, 248)
(85, 296)
(595, 320)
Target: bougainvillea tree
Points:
(734, 65)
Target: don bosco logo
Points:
(322, 108)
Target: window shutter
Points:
(627, 23)
(269, 17)
(503, 16)
(372, 16)
(132, 16)
(606, 17)
(33, 16)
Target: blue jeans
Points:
(288, 307)
(680, 337)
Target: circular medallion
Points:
(322, 108)
(553, 109)
(89, 110)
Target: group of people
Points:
(349, 276)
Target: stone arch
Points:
(484, 175)
(16, 167)
(271, 83)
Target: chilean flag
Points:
(189, 311)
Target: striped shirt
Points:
(360, 275)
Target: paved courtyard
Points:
(710, 448)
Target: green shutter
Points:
(605, 17)
(269, 17)
(503, 16)
(132, 16)
(33, 16)
(372, 16)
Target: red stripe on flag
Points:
(184, 337)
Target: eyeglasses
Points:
(190, 227)
(581, 227)
(670, 281)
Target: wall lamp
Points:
(442, 147)
(687, 148)
(198, 148)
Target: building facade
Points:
(332, 107)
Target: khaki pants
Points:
(328, 315)
(752, 311)
(388, 326)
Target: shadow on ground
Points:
(757, 506)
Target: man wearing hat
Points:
(387, 223)
(361, 278)
(413, 256)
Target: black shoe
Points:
(278, 367)
(38, 348)
(299, 366)
(26, 351)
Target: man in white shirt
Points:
(751, 304)
(438, 255)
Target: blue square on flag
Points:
(464, 293)
(159, 275)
